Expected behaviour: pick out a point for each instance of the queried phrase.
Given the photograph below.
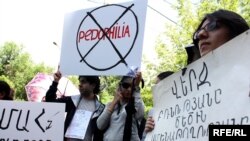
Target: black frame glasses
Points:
(211, 26)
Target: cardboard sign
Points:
(31, 121)
(212, 90)
(105, 40)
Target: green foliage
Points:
(18, 68)
(170, 47)
(245, 8)
(147, 98)
(108, 85)
(4, 78)
(74, 79)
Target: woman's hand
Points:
(57, 76)
(138, 78)
(117, 98)
(150, 125)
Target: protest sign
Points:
(212, 90)
(77, 128)
(105, 40)
(31, 121)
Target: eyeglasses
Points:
(211, 26)
(125, 85)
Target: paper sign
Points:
(79, 124)
(31, 121)
(105, 40)
(212, 90)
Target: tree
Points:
(17, 67)
(109, 85)
(170, 47)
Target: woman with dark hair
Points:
(6, 93)
(83, 106)
(216, 29)
(120, 117)
(163, 75)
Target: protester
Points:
(83, 106)
(229, 23)
(162, 76)
(150, 121)
(6, 93)
(216, 29)
(119, 118)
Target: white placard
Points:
(23, 121)
(212, 90)
(79, 124)
(87, 51)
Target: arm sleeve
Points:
(51, 93)
(52, 97)
(104, 119)
(139, 105)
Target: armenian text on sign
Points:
(213, 90)
(24, 121)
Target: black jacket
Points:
(71, 108)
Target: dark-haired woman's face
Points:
(212, 35)
(126, 88)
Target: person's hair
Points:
(93, 80)
(125, 78)
(164, 74)
(6, 90)
(233, 21)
